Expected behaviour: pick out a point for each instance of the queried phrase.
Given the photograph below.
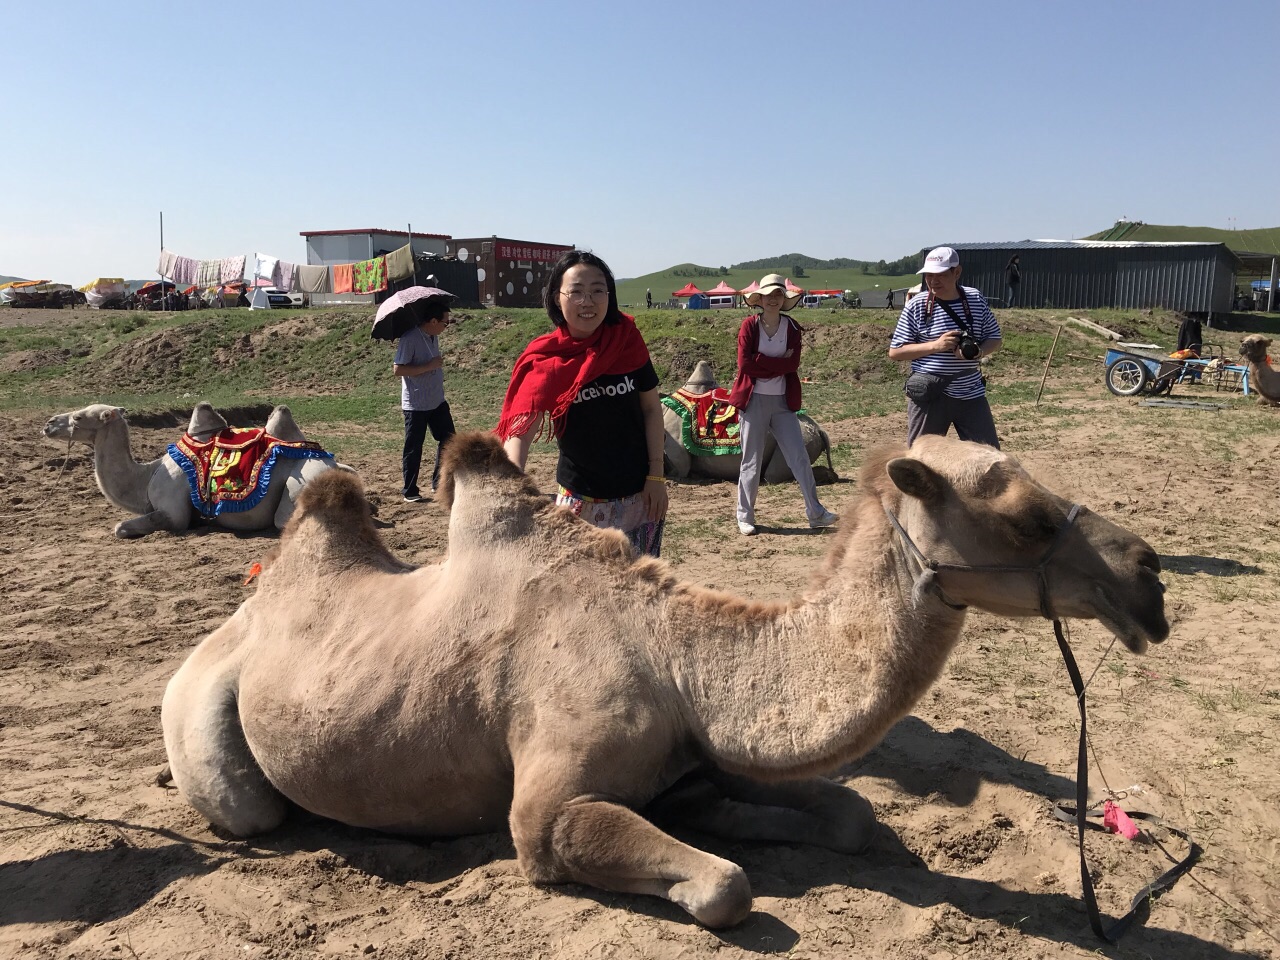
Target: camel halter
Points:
(926, 582)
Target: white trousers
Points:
(766, 414)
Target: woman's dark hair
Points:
(551, 293)
(434, 308)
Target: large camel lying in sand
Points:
(726, 466)
(158, 490)
(1262, 377)
(542, 676)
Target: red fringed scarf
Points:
(555, 366)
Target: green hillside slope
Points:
(1253, 241)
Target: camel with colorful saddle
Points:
(702, 434)
(235, 479)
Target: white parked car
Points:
(279, 298)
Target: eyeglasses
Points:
(585, 296)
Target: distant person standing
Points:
(419, 366)
(889, 300)
(648, 299)
(944, 334)
(766, 392)
(1013, 277)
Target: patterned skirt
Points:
(627, 515)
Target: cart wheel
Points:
(1127, 378)
(1164, 385)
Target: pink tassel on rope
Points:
(1117, 821)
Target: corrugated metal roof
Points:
(1074, 244)
(344, 233)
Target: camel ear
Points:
(106, 416)
(994, 482)
(915, 479)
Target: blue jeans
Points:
(416, 423)
(1013, 294)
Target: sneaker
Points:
(413, 498)
(746, 529)
(826, 519)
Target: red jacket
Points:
(752, 363)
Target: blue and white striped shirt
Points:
(914, 327)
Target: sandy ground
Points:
(96, 860)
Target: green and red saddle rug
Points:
(231, 472)
(709, 422)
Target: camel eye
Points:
(1035, 524)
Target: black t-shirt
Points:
(603, 453)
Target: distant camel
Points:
(1262, 377)
(682, 463)
(159, 491)
(544, 677)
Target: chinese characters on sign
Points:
(518, 251)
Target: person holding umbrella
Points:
(591, 385)
(418, 316)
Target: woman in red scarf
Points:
(590, 384)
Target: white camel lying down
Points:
(158, 490)
(543, 677)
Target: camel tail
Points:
(478, 454)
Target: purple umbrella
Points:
(403, 310)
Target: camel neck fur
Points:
(788, 690)
(122, 480)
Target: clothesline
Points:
(363, 277)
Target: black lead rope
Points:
(1081, 813)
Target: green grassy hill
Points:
(1253, 241)
(664, 282)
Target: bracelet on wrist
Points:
(652, 477)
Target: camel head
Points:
(969, 505)
(83, 425)
(1254, 348)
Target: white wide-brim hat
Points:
(774, 282)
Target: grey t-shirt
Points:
(426, 390)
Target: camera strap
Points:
(946, 308)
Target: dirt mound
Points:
(24, 360)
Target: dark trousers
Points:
(416, 423)
(972, 419)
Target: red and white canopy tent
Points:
(688, 290)
(722, 289)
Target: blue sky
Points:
(652, 133)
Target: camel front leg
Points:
(816, 811)
(147, 523)
(606, 845)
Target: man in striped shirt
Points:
(929, 334)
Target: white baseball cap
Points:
(940, 260)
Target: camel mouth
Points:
(1134, 623)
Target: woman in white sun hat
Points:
(766, 392)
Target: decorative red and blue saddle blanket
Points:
(231, 472)
(709, 422)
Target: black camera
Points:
(969, 347)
